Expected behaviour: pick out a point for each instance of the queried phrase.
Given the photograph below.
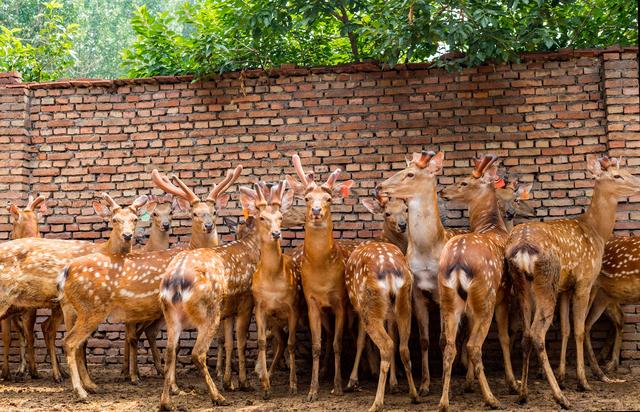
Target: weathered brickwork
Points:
(73, 139)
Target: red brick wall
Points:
(72, 139)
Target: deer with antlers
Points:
(203, 286)
(276, 287)
(25, 224)
(470, 275)
(549, 258)
(322, 265)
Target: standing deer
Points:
(470, 277)
(322, 265)
(159, 210)
(25, 224)
(394, 229)
(199, 288)
(277, 291)
(378, 283)
(549, 258)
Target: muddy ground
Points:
(45, 395)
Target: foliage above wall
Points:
(152, 37)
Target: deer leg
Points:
(403, 325)
(291, 347)
(393, 378)
(421, 312)
(81, 330)
(565, 328)
(28, 320)
(375, 330)
(315, 325)
(124, 372)
(132, 342)
(242, 329)
(543, 317)
(49, 330)
(173, 336)
(616, 314)
(19, 325)
(502, 321)
(580, 309)
(261, 364)
(151, 332)
(228, 349)
(206, 334)
(480, 323)
(220, 354)
(450, 312)
(340, 314)
(280, 347)
(326, 358)
(6, 343)
(527, 342)
(353, 378)
(597, 308)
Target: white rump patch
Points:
(525, 262)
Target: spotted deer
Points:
(378, 283)
(470, 277)
(554, 257)
(202, 286)
(159, 211)
(394, 229)
(25, 224)
(276, 287)
(322, 264)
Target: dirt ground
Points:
(45, 395)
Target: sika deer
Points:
(322, 267)
(394, 229)
(277, 291)
(549, 258)
(25, 224)
(470, 277)
(618, 283)
(199, 288)
(378, 283)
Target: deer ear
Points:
(490, 175)
(248, 204)
(15, 212)
(435, 164)
(286, 201)
(149, 207)
(342, 189)
(372, 205)
(524, 191)
(593, 165)
(222, 201)
(296, 185)
(101, 210)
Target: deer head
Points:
(482, 178)
(25, 221)
(123, 219)
(268, 207)
(421, 170)
(611, 178)
(513, 198)
(160, 210)
(395, 211)
(203, 212)
(318, 197)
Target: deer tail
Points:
(175, 287)
(523, 255)
(458, 277)
(60, 282)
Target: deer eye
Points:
(463, 183)
(410, 174)
(617, 176)
(387, 214)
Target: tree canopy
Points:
(137, 38)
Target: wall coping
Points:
(290, 70)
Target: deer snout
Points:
(316, 211)
(276, 234)
(166, 226)
(127, 236)
(402, 226)
(208, 227)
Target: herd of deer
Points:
(417, 263)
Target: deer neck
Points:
(425, 230)
(200, 239)
(22, 233)
(601, 213)
(271, 258)
(318, 241)
(158, 239)
(389, 234)
(484, 213)
(116, 247)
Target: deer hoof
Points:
(493, 403)
(352, 386)
(424, 390)
(312, 397)
(523, 398)
(293, 390)
(174, 390)
(443, 407)
(337, 391)
(376, 407)
(135, 381)
(167, 407)
(81, 394)
(563, 402)
(266, 395)
(583, 387)
(221, 402)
